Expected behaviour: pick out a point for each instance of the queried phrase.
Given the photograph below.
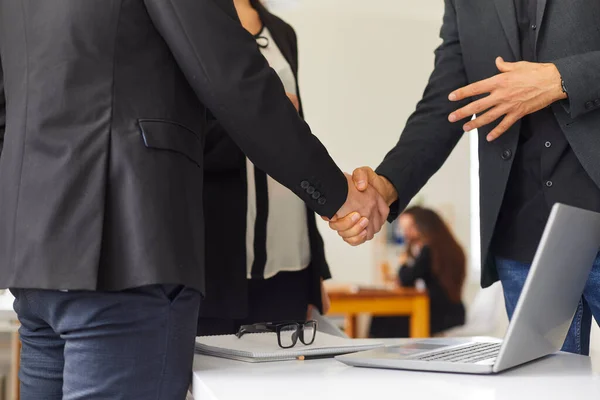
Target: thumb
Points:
(504, 66)
(360, 176)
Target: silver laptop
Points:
(541, 319)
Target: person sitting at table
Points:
(265, 260)
(431, 255)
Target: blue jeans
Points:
(135, 344)
(513, 274)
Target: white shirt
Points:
(286, 234)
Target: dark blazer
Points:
(225, 207)
(474, 33)
(444, 313)
(102, 162)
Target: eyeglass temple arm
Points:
(256, 328)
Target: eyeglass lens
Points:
(288, 335)
(309, 331)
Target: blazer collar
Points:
(508, 18)
(541, 8)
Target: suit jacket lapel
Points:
(541, 7)
(508, 18)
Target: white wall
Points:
(363, 67)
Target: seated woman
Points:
(265, 260)
(434, 256)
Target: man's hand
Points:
(294, 99)
(351, 227)
(520, 89)
(367, 212)
(364, 177)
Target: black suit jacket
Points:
(225, 206)
(474, 33)
(102, 162)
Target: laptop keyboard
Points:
(467, 354)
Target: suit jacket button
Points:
(316, 195)
(589, 105)
(506, 154)
(304, 185)
(322, 201)
(310, 190)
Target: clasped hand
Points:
(366, 208)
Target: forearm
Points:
(428, 138)
(581, 75)
(224, 67)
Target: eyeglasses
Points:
(288, 332)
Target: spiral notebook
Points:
(262, 347)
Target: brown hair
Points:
(448, 257)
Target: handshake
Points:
(366, 208)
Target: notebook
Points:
(326, 325)
(262, 347)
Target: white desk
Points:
(562, 376)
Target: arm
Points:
(428, 138)
(409, 275)
(318, 245)
(230, 76)
(220, 152)
(581, 74)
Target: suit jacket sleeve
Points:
(2, 110)
(428, 138)
(323, 266)
(581, 74)
(226, 70)
(220, 151)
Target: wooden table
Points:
(381, 302)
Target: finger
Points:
(343, 224)
(380, 218)
(371, 232)
(487, 118)
(383, 208)
(357, 240)
(360, 176)
(355, 230)
(502, 127)
(473, 108)
(504, 66)
(474, 89)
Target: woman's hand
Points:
(294, 99)
(325, 298)
(325, 302)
